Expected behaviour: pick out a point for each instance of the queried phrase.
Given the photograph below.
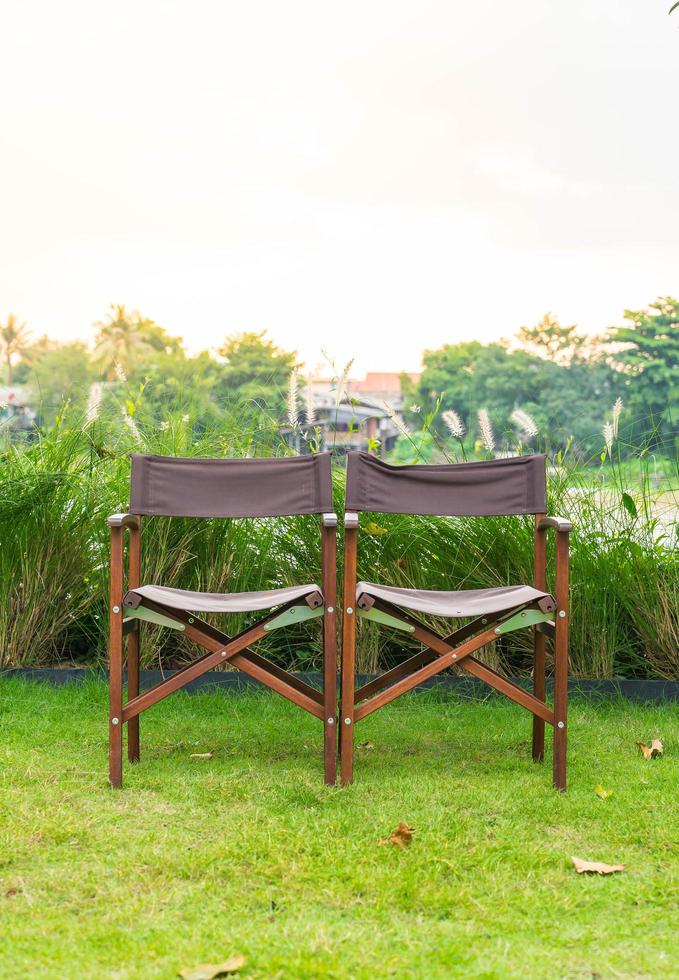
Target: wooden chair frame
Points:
(457, 649)
(221, 648)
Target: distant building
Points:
(17, 418)
(384, 386)
(366, 410)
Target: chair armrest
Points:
(559, 524)
(350, 520)
(123, 520)
(329, 520)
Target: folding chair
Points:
(214, 488)
(497, 487)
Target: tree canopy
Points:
(564, 381)
(14, 341)
(255, 369)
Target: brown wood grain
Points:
(133, 642)
(561, 662)
(329, 586)
(447, 657)
(418, 660)
(216, 643)
(348, 680)
(540, 583)
(508, 688)
(115, 716)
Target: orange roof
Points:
(383, 381)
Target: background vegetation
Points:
(601, 410)
(56, 493)
(563, 379)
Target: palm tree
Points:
(14, 339)
(118, 340)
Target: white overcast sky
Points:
(370, 178)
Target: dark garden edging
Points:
(632, 690)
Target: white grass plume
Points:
(454, 423)
(525, 422)
(293, 416)
(94, 399)
(397, 419)
(342, 379)
(609, 436)
(617, 411)
(132, 426)
(487, 436)
(309, 404)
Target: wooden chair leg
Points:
(115, 719)
(329, 573)
(346, 718)
(330, 698)
(133, 643)
(560, 702)
(561, 662)
(115, 716)
(539, 692)
(132, 692)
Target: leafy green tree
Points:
(56, 373)
(129, 342)
(647, 352)
(157, 338)
(255, 369)
(176, 383)
(562, 381)
(577, 384)
(468, 376)
(549, 339)
(14, 341)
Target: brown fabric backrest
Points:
(173, 486)
(492, 488)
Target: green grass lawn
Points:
(249, 853)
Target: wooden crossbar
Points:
(508, 688)
(439, 655)
(418, 660)
(448, 656)
(222, 648)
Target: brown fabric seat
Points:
(215, 602)
(471, 603)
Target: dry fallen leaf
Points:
(201, 755)
(603, 793)
(401, 837)
(652, 750)
(596, 867)
(208, 971)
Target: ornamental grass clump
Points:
(56, 493)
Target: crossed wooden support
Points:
(129, 611)
(454, 650)
(545, 616)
